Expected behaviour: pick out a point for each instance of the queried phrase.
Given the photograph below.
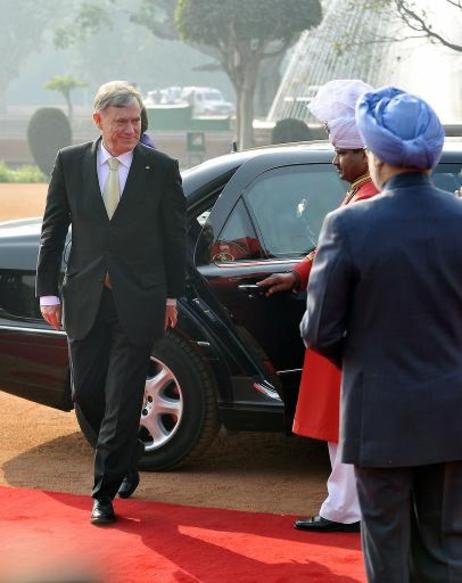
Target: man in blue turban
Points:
(400, 129)
(385, 303)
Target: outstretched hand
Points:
(278, 282)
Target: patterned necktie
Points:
(111, 191)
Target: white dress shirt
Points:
(102, 169)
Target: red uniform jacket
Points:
(317, 412)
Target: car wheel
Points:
(179, 418)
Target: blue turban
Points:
(399, 128)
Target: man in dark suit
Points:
(385, 302)
(126, 268)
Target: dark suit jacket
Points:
(142, 247)
(385, 301)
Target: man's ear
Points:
(97, 119)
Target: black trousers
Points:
(108, 375)
(411, 525)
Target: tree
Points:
(90, 18)
(238, 34)
(272, 27)
(419, 19)
(244, 33)
(23, 27)
(65, 84)
(158, 17)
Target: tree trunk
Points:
(246, 98)
(70, 111)
(242, 69)
(245, 113)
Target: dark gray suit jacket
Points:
(142, 247)
(385, 302)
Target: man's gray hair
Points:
(116, 94)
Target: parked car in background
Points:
(235, 357)
(167, 96)
(207, 101)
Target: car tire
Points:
(180, 418)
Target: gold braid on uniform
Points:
(310, 255)
(355, 186)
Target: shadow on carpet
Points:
(46, 532)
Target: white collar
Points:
(125, 159)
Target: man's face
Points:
(120, 127)
(350, 164)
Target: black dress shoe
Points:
(103, 512)
(129, 484)
(320, 524)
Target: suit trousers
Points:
(108, 376)
(341, 504)
(412, 523)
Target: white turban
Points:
(335, 105)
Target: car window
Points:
(448, 177)
(237, 241)
(288, 206)
(17, 292)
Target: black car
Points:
(235, 357)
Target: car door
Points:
(34, 361)
(264, 222)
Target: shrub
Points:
(290, 130)
(47, 132)
(25, 174)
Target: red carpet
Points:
(164, 543)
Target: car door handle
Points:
(251, 289)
